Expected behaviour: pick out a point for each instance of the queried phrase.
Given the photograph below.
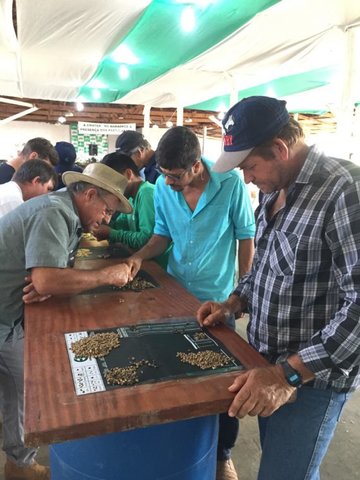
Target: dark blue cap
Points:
(129, 140)
(247, 124)
(66, 152)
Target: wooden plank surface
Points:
(54, 413)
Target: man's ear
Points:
(127, 173)
(280, 146)
(33, 155)
(196, 166)
(35, 180)
(91, 193)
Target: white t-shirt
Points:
(10, 197)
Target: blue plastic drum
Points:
(183, 450)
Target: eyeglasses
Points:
(172, 176)
(108, 211)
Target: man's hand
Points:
(134, 264)
(261, 391)
(118, 275)
(212, 313)
(31, 295)
(102, 232)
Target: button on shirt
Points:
(204, 250)
(304, 287)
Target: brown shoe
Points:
(31, 472)
(225, 470)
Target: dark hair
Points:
(129, 141)
(35, 168)
(43, 148)
(80, 187)
(291, 133)
(120, 162)
(179, 147)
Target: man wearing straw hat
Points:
(39, 238)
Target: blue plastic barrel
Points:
(184, 450)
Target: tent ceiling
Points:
(67, 50)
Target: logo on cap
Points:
(229, 123)
(228, 140)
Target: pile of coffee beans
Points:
(97, 345)
(205, 359)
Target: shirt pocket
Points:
(283, 252)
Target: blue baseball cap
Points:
(247, 124)
(129, 140)
(66, 152)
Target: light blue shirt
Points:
(204, 250)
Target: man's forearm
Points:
(155, 247)
(236, 304)
(63, 281)
(245, 255)
(296, 362)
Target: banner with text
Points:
(104, 128)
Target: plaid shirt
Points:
(303, 289)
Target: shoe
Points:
(225, 470)
(31, 472)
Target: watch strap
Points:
(293, 377)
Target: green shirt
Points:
(135, 229)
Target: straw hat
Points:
(104, 177)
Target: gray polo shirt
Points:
(42, 232)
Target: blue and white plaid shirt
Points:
(304, 287)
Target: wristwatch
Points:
(292, 376)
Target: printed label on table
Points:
(85, 371)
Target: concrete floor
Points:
(342, 461)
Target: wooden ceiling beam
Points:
(49, 112)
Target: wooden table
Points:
(54, 413)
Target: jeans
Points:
(228, 426)
(295, 438)
(12, 398)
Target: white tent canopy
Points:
(62, 49)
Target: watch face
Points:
(294, 379)
(292, 376)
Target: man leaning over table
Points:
(303, 290)
(34, 148)
(205, 214)
(30, 180)
(39, 238)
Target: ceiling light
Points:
(79, 106)
(270, 92)
(188, 120)
(61, 119)
(123, 54)
(96, 94)
(169, 124)
(123, 72)
(95, 83)
(188, 20)
(199, 3)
